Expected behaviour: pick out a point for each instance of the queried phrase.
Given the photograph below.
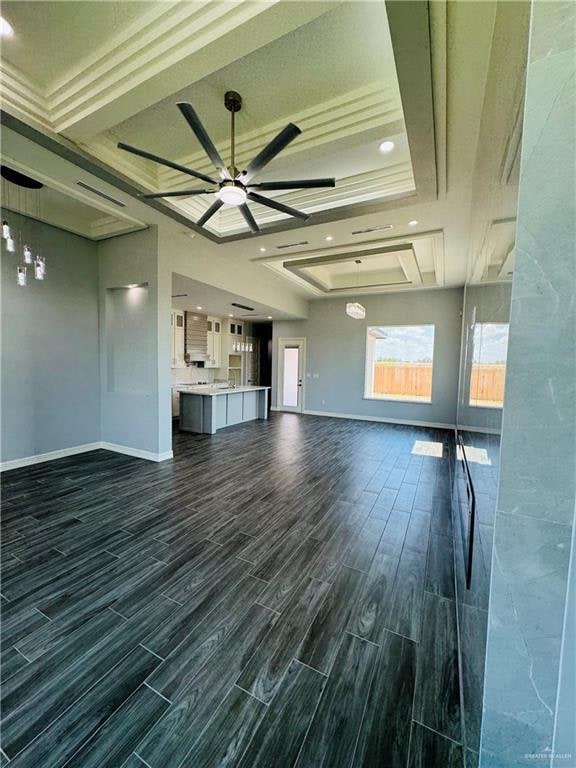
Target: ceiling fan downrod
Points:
(233, 103)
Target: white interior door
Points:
(291, 362)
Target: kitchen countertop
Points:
(213, 391)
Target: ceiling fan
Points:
(234, 187)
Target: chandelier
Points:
(22, 194)
(353, 308)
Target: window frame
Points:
(369, 366)
(469, 402)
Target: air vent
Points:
(242, 306)
(292, 245)
(373, 229)
(100, 194)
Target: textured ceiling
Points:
(53, 37)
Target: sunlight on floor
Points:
(427, 448)
(477, 455)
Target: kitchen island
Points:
(205, 409)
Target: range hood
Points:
(196, 337)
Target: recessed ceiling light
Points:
(413, 223)
(269, 317)
(386, 147)
(6, 29)
(262, 250)
(230, 314)
(198, 307)
(329, 238)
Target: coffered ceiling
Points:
(443, 81)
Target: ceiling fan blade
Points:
(278, 206)
(295, 184)
(216, 205)
(194, 122)
(181, 193)
(163, 161)
(249, 219)
(274, 147)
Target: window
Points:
(399, 361)
(488, 372)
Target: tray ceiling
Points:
(340, 87)
(374, 266)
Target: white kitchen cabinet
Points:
(177, 351)
(214, 339)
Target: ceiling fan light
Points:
(232, 194)
(355, 310)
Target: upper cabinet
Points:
(214, 359)
(177, 347)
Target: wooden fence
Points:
(414, 380)
(487, 384)
(409, 380)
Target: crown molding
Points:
(292, 266)
(395, 180)
(24, 95)
(156, 43)
(150, 59)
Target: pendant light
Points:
(22, 194)
(39, 268)
(354, 309)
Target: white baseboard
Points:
(384, 419)
(39, 458)
(50, 456)
(137, 452)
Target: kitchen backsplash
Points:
(192, 375)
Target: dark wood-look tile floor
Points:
(280, 594)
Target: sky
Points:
(490, 342)
(407, 343)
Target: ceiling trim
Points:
(68, 151)
(149, 47)
(351, 190)
(153, 57)
(22, 93)
(375, 245)
(293, 266)
(410, 32)
(300, 267)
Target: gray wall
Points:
(50, 370)
(130, 341)
(527, 626)
(492, 305)
(336, 348)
